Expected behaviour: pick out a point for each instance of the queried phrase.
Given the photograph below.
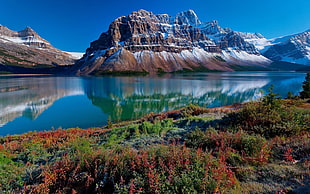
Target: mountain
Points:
(229, 40)
(25, 51)
(293, 49)
(146, 42)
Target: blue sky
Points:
(72, 24)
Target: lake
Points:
(45, 103)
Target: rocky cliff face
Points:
(27, 49)
(27, 37)
(291, 48)
(296, 49)
(227, 39)
(143, 41)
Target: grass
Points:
(190, 150)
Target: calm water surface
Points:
(45, 103)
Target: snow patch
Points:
(23, 40)
(76, 55)
(231, 54)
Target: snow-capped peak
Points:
(187, 18)
(211, 28)
(27, 36)
(293, 48)
(247, 35)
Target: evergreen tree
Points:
(272, 99)
(290, 95)
(306, 87)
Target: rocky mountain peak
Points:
(28, 32)
(212, 28)
(28, 29)
(4, 31)
(142, 12)
(27, 37)
(26, 48)
(293, 49)
(248, 35)
(259, 35)
(233, 41)
(143, 30)
(187, 18)
(144, 41)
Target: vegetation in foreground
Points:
(260, 147)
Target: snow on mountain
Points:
(293, 49)
(228, 40)
(262, 43)
(257, 39)
(212, 28)
(231, 55)
(143, 41)
(27, 37)
(248, 35)
(25, 48)
(76, 55)
(188, 17)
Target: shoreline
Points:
(204, 150)
(17, 75)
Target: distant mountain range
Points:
(147, 42)
(26, 52)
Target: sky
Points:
(71, 25)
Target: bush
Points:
(236, 144)
(158, 128)
(269, 118)
(159, 169)
(193, 110)
(10, 173)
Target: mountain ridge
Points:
(26, 52)
(147, 42)
(295, 48)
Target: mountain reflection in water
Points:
(40, 103)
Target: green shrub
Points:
(157, 169)
(10, 173)
(216, 141)
(270, 118)
(261, 119)
(193, 110)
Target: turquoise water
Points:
(46, 103)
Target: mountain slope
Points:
(145, 42)
(26, 51)
(294, 49)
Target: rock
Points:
(294, 50)
(25, 48)
(143, 41)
